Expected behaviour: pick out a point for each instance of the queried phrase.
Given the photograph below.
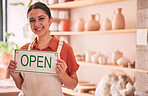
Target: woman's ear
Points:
(51, 20)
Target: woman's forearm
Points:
(70, 82)
(18, 81)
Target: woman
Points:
(35, 84)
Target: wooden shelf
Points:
(80, 3)
(94, 32)
(109, 66)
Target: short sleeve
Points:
(71, 62)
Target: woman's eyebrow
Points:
(41, 16)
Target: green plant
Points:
(8, 47)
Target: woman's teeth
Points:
(39, 29)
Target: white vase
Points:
(79, 26)
(88, 55)
(115, 56)
(107, 25)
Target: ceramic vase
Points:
(88, 55)
(118, 20)
(79, 26)
(107, 25)
(115, 56)
(65, 25)
(93, 25)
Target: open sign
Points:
(36, 61)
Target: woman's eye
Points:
(31, 20)
(41, 18)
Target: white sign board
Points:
(36, 61)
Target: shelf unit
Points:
(80, 3)
(94, 32)
(86, 3)
(110, 66)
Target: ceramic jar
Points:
(107, 25)
(94, 58)
(93, 24)
(118, 20)
(102, 59)
(115, 56)
(88, 55)
(65, 25)
(79, 26)
(123, 61)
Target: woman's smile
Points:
(39, 29)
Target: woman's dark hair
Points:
(39, 5)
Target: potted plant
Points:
(7, 48)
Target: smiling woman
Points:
(34, 84)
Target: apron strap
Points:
(29, 47)
(59, 48)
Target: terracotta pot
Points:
(65, 25)
(93, 25)
(80, 25)
(6, 58)
(118, 20)
(107, 25)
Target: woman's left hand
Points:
(61, 67)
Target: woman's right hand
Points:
(11, 67)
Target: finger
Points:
(58, 71)
(60, 64)
(60, 60)
(13, 61)
(12, 64)
(11, 67)
(59, 67)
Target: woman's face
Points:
(39, 21)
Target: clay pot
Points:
(79, 26)
(115, 56)
(107, 25)
(93, 25)
(118, 20)
(65, 25)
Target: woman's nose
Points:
(37, 23)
